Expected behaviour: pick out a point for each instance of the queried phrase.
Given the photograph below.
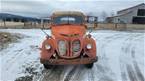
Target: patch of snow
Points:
(119, 53)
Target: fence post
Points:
(116, 26)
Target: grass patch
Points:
(7, 38)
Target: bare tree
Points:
(104, 15)
(112, 14)
(90, 13)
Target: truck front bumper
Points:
(69, 61)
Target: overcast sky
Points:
(43, 8)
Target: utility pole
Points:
(4, 22)
(42, 23)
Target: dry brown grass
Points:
(7, 38)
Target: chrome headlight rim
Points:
(89, 46)
(47, 46)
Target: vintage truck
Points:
(68, 43)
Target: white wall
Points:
(129, 14)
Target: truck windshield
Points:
(68, 20)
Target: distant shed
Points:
(132, 15)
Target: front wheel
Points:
(89, 65)
(47, 66)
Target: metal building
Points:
(132, 15)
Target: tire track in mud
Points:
(138, 72)
(57, 74)
(15, 56)
(102, 72)
(105, 75)
(54, 74)
(20, 53)
(123, 68)
(70, 74)
(17, 53)
(79, 73)
(125, 49)
(133, 74)
(40, 75)
(137, 69)
(91, 75)
(123, 72)
(107, 41)
(12, 59)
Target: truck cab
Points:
(68, 43)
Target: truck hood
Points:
(68, 31)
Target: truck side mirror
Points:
(92, 19)
(45, 22)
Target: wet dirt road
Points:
(121, 58)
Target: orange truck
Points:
(68, 43)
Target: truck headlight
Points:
(47, 46)
(89, 46)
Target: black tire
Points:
(89, 65)
(46, 66)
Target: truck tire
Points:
(89, 65)
(46, 66)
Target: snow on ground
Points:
(121, 58)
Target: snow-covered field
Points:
(121, 58)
